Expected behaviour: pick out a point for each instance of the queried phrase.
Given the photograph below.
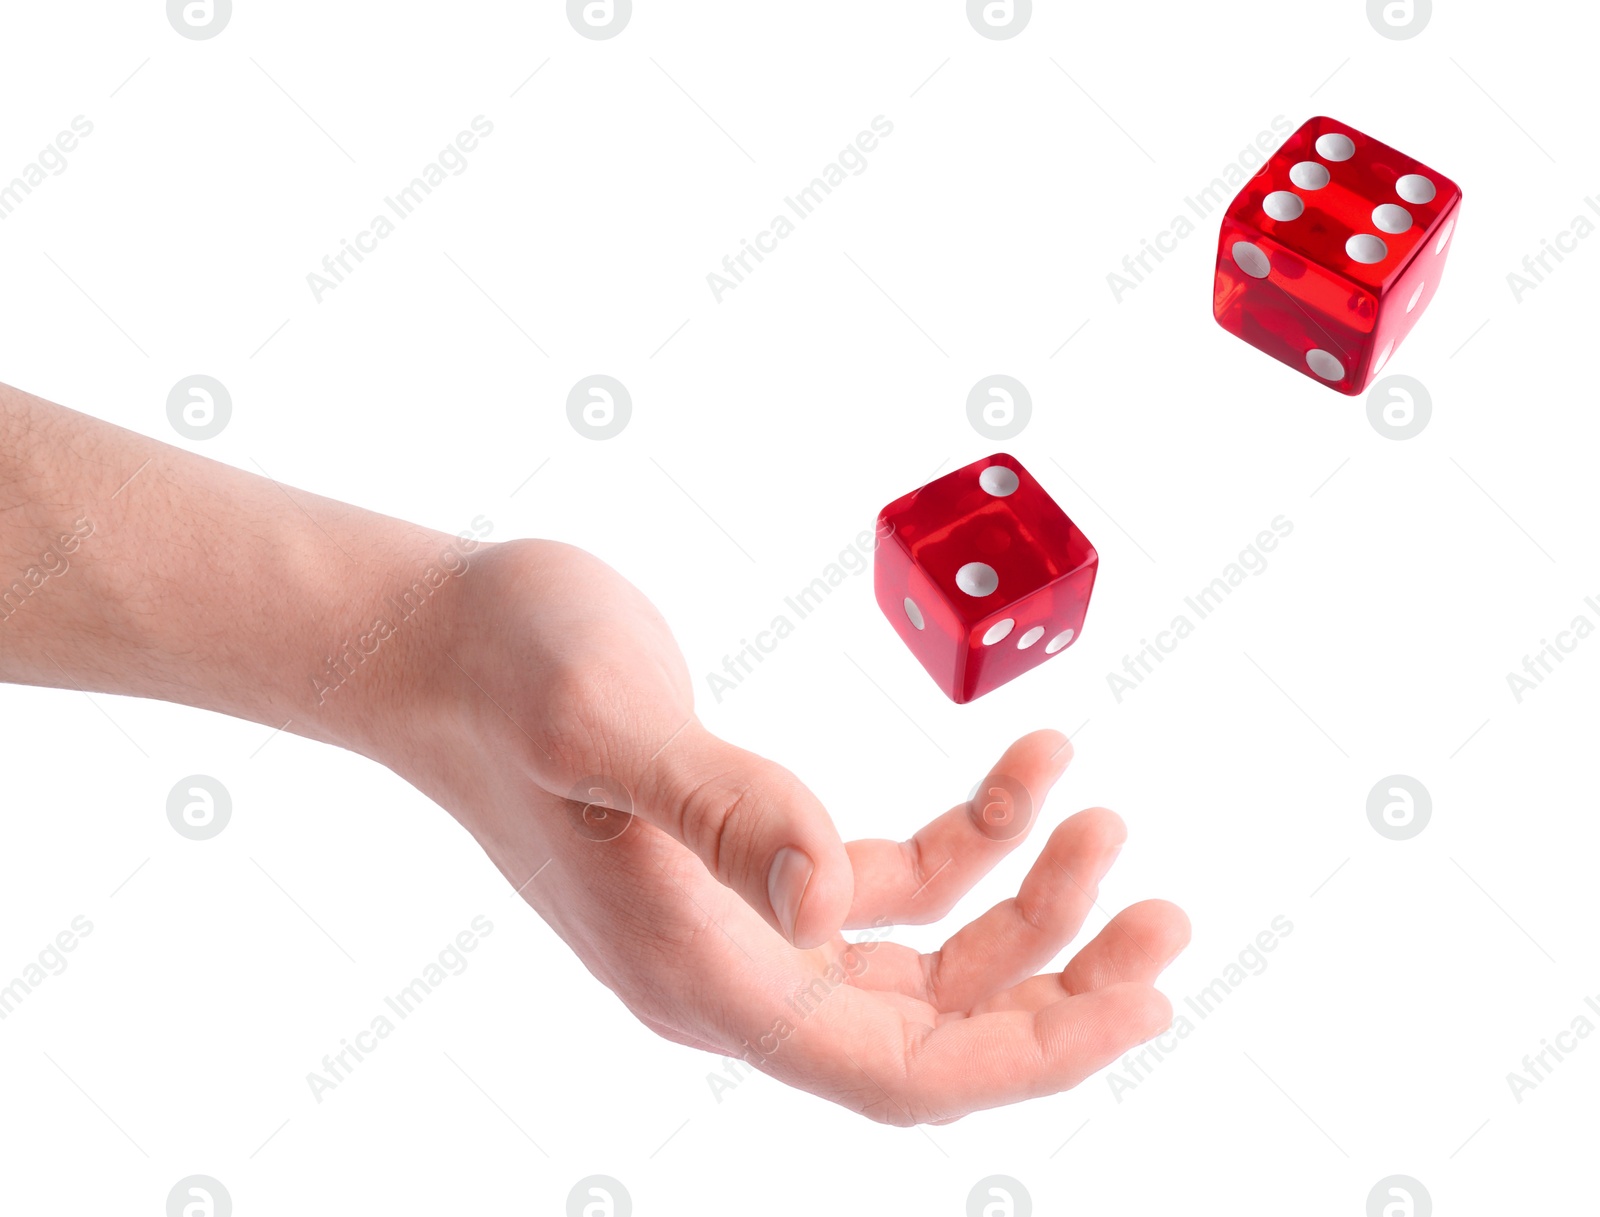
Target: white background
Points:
(1019, 173)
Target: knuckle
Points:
(931, 897)
(717, 820)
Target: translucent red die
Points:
(982, 575)
(1329, 255)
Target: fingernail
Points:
(786, 886)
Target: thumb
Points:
(757, 828)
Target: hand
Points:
(531, 673)
(556, 670)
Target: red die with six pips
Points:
(1330, 253)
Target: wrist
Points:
(379, 676)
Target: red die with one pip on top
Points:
(1331, 252)
(982, 575)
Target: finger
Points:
(1135, 946)
(756, 827)
(1017, 937)
(886, 967)
(917, 881)
(976, 1063)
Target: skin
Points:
(540, 698)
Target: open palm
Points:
(647, 844)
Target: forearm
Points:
(129, 566)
